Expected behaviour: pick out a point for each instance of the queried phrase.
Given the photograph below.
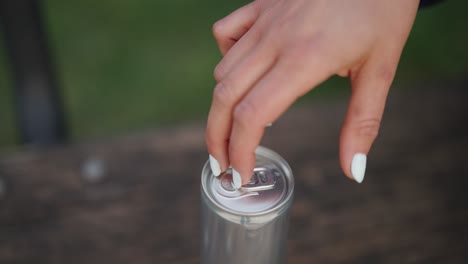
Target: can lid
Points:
(269, 189)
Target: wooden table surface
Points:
(135, 199)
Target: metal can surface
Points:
(248, 225)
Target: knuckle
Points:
(270, 39)
(309, 51)
(293, 53)
(368, 128)
(222, 95)
(386, 73)
(255, 34)
(313, 47)
(217, 29)
(219, 72)
(245, 114)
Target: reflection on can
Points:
(248, 225)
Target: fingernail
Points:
(269, 124)
(358, 166)
(215, 168)
(236, 179)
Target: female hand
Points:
(277, 50)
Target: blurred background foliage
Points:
(130, 65)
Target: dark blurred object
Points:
(38, 105)
(424, 3)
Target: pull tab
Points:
(262, 179)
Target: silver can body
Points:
(248, 225)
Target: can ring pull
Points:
(262, 179)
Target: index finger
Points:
(227, 94)
(290, 78)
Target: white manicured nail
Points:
(269, 124)
(358, 166)
(215, 168)
(236, 179)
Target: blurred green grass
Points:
(130, 65)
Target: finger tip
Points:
(358, 166)
(353, 160)
(236, 179)
(214, 165)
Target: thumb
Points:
(370, 85)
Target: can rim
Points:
(277, 208)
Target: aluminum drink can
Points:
(248, 225)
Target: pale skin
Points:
(275, 51)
